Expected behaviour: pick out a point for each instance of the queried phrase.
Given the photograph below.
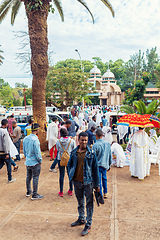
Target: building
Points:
(151, 92)
(106, 87)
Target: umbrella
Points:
(155, 121)
(136, 120)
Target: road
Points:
(132, 210)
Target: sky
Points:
(135, 27)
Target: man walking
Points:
(5, 149)
(16, 137)
(52, 137)
(32, 152)
(92, 123)
(72, 128)
(103, 152)
(83, 170)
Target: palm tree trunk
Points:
(37, 25)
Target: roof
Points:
(95, 70)
(108, 74)
(150, 85)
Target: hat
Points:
(99, 198)
(35, 126)
(54, 118)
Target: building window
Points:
(104, 81)
(152, 92)
(112, 81)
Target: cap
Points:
(35, 126)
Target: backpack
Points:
(65, 155)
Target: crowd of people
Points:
(81, 146)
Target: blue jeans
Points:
(61, 177)
(103, 179)
(3, 160)
(13, 163)
(18, 144)
(82, 191)
(54, 163)
(33, 172)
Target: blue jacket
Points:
(71, 129)
(91, 137)
(102, 149)
(31, 150)
(90, 167)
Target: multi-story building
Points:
(106, 87)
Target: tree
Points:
(6, 96)
(1, 58)
(72, 63)
(37, 14)
(66, 85)
(152, 61)
(141, 108)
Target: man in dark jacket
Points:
(83, 170)
(91, 136)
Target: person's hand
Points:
(108, 169)
(97, 189)
(7, 156)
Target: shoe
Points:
(15, 169)
(78, 223)
(60, 194)
(86, 230)
(53, 170)
(51, 159)
(105, 195)
(12, 180)
(28, 194)
(37, 197)
(70, 193)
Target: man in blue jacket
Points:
(102, 149)
(72, 128)
(32, 152)
(91, 136)
(83, 170)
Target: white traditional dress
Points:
(52, 134)
(153, 141)
(122, 131)
(107, 134)
(120, 156)
(139, 163)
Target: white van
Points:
(112, 118)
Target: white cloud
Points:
(135, 26)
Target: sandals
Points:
(15, 169)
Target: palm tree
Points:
(141, 108)
(37, 14)
(1, 58)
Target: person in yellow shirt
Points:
(28, 130)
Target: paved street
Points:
(132, 210)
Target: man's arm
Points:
(37, 150)
(77, 126)
(95, 171)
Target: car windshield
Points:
(22, 118)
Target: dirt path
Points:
(132, 210)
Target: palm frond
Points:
(127, 109)
(141, 107)
(108, 4)
(59, 8)
(15, 10)
(85, 5)
(4, 8)
(152, 107)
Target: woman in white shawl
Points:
(117, 150)
(52, 137)
(152, 141)
(107, 134)
(139, 163)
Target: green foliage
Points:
(35, 5)
(65, 85)
(127, 109)
(141, 108)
